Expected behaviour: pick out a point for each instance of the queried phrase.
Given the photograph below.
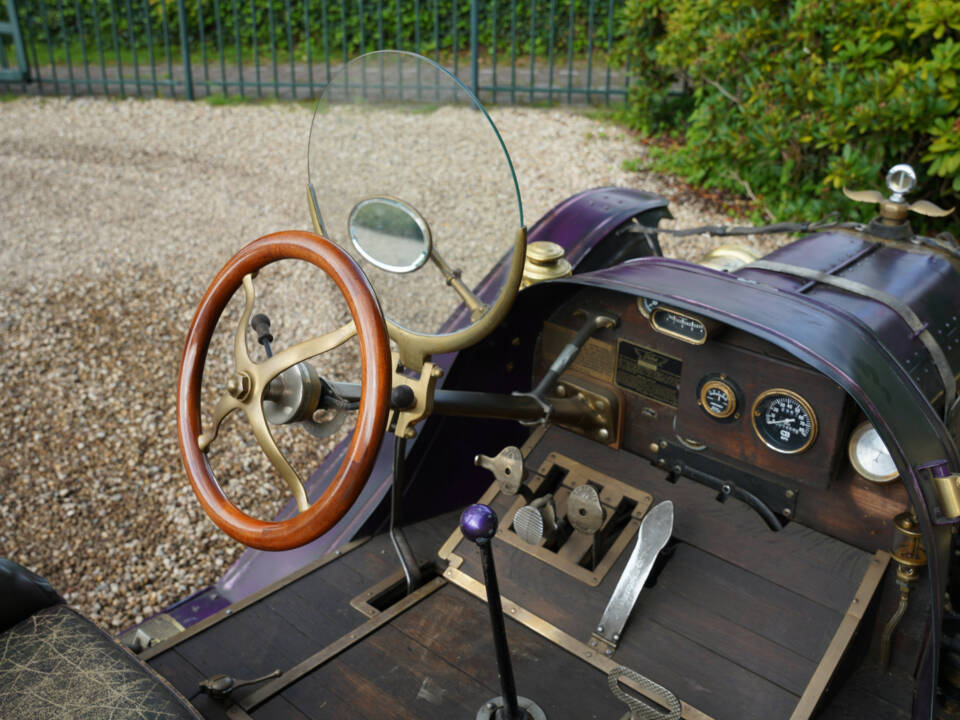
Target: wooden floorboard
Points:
(740, 597)
(389, 676)
(734, 624)
(455, 625)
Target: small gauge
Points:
(679, 325)
(646, 305)
(869, 456)
(719, 397)
(784, 421)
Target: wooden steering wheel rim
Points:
(343, 491)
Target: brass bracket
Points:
(948, 492)
(599, 416)
(423, 388)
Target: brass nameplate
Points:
(648, 372)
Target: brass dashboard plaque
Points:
(648, 372)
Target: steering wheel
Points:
(245, 391)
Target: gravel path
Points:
(115, 217)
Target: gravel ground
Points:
(115, 216)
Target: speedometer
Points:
(784, 421)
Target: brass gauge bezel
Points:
(671, 333)
(730, 392)
(643, 310)
(858, 432)
(814, 423)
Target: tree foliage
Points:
(790, 101)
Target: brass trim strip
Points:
(226, 612)
(265, 692)
(361, 602)
(841, 638)
(558, 637)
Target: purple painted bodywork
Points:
(577, 225)
(924, 281)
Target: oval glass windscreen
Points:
(397, 125)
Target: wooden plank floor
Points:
(735, 623)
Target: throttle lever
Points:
(261, 326)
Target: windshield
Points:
(395, 125)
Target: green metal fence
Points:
(506, 50)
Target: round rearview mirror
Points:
(390, 233)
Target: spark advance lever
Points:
(593, 322)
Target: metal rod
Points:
(408, 561)
(474, 49)
(184, 50)
(508, 685)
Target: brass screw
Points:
(603, 434)
(654, 447)
(561, 390)
(787, 512)
(790, 494)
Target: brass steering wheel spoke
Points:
(225, 405)
(262, 373)
(261, 432)
(241, 358)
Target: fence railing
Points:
(513, 51)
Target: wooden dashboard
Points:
(657, 367)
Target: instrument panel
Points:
(716, 390)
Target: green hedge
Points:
(790, 101)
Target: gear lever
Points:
(479, 524)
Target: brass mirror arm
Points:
(473, 303)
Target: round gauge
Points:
(718, 398)
(869, 456)
(646, 305)
(784, 421)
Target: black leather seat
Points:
(54, 663)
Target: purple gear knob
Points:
(478, 522)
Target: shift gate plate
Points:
(572, 552)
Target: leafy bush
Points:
(790, 101)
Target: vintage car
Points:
(611, 485)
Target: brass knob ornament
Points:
(901, 179)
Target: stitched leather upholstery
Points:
(57, 664)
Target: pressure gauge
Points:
(784, 421)
(869, 456)
(719, 397)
